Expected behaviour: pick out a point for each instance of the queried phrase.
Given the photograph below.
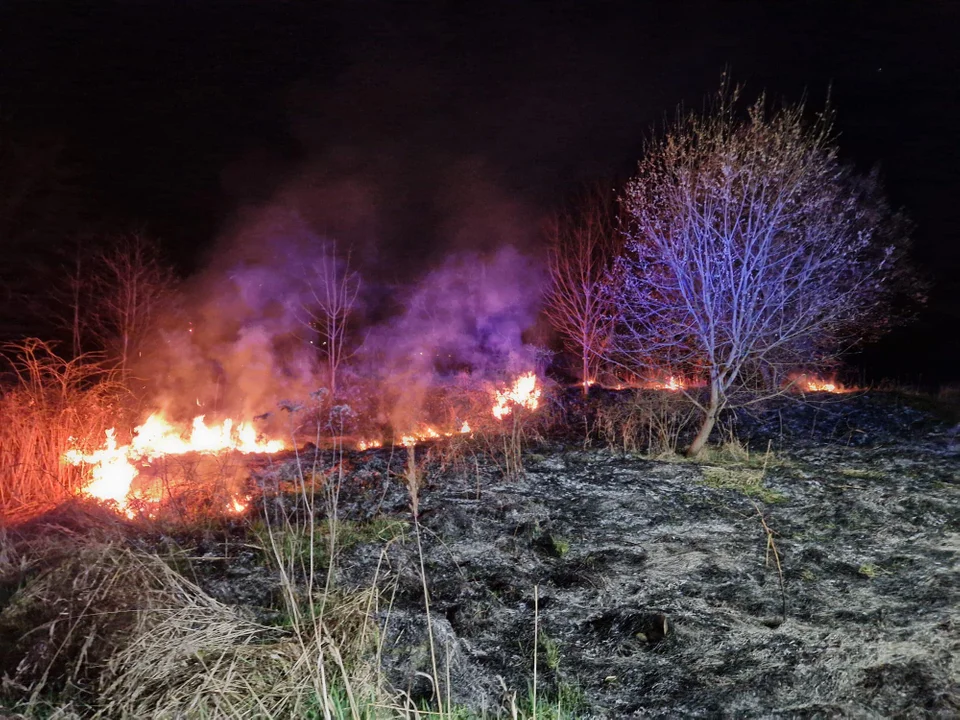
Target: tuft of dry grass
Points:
(49, 403)
(200, 658)
(113, 632)
(76, 599)
(648, 421)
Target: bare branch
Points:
(332, 290)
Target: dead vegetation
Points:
(47, 401)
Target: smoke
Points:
(240, 342)
(467, 316)
(243, 342)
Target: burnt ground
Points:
(652, 585)
(655, 589)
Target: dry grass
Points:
(112, 632)
(47, 402)
(76, 601)
(644, 421)
(200, 658)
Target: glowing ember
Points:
(114, 467)
(674, 383)
(236, 506)
(369, 444)
(524, 393)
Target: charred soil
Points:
(815, 574)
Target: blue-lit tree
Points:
(752, 250)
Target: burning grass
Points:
(115, 631)
(114, 467)
(812, 383)
(50, 404)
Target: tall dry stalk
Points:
(49, 404)
(331, 633)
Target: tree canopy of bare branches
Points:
(582, 245)
(124, 287)
(752, 249)
(332, 295)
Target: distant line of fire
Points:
(113, 467)
(796, 382)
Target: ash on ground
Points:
(815, 574)
(654, 585)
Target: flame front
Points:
(114, 467)
(524, 393)
(811, 383)
(427, 432)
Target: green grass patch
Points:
(745, 480)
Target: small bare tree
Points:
(127, 285)
(332, 295)
(752, 249)
(582, 245)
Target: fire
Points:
(236, 506)
(811, 383)
(112, 471)
(427, 432)
(114, 467)
(673, 383)
(523, 393)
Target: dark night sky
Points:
(177, 114)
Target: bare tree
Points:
(128, 284)
(583, 243)
(752, 249)
(333, 290)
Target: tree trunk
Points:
(585, 384)
(713, 410)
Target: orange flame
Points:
(673, 383)
(236, 506)
(523, 393)
(113, 467)
(427, 432)
(811, 383)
